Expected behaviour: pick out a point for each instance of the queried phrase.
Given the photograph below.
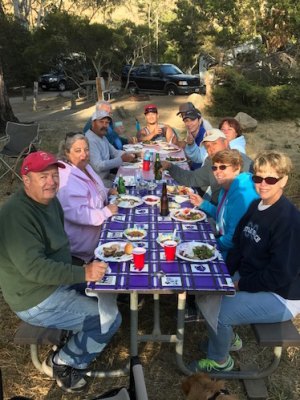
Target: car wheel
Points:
(61, 86)
(171, 90)
(132, 89)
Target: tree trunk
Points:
(6, 112)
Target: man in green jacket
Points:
(36, 272)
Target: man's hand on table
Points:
(95, 271)
(165, 165)
(128, 157)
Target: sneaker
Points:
(191, 314)
(207, 365)
(236, 344)
(68, 378)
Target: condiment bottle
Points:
(121, 185)
(157, 168)
(164, 201)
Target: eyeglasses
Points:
(221, 167)
(270, 180)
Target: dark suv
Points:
(54, 80)
(161, 78)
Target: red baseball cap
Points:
(150, 108)
(39, 161)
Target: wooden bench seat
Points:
(278, 334)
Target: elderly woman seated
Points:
(83, 197)
(236, 195)
(264, 263)
(233, 132)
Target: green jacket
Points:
(35, 256)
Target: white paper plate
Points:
(185, 251)
(151, 200)
(180, 190)
(99, 252)
(128, 231)
(182, 215)
(163, 237)
(128, 201)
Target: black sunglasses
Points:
(221, 167)
(270, 180)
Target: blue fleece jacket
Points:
(239, 196)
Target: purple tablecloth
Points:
(177, 276)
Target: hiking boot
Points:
(207, 365)
(236, 344)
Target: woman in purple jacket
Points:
(83, 197)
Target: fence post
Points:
(35, 95)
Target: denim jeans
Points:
(68, 309)
(242, 309)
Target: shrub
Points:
(232, 93)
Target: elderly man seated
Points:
(103, 156)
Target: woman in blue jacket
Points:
(236, 195)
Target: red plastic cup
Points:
(138, 254)
(146, 165)
(170, 249)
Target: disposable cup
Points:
(138, 254)
(146, 165)
(170, 249)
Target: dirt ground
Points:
(162, 376)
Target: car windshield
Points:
(171, 69)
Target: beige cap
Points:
(212, 135)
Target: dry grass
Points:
(162, 376)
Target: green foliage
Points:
(233, 93)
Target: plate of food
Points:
(179, 190)
(114, 251)
(151, 143)
(168, 148)
(151, 200)
(187, 215)
(176, 160)
(128, 201)
(163, 237)
(135, 233)
(196, 252)
(133, 148)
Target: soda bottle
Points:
(164, 201)
(157, 168)
(146, 161)
(121, 185)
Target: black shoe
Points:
(68, 378)
(191, 314)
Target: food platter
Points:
(112, 251)
(151, 200)
(179, 190)
(176, 160)
(187, 215)
(196, 252)
(128, 201)
(135, 234)
(163, 237)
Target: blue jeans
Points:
(70, 310)
(242, 309)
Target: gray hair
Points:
(102, 102)
(66, 144)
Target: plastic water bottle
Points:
(137, 179)
(146, 161)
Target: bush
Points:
(233, 93)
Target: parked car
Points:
(161, 78)
(55, 80)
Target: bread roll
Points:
(128, 248)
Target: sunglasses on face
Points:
(270, 180)
(221, 167)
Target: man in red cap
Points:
(36, 272)
(153, 130)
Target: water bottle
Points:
(138, 179)
(146, 161)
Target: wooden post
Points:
(35, 95)
(98, 88)
(73, 102)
